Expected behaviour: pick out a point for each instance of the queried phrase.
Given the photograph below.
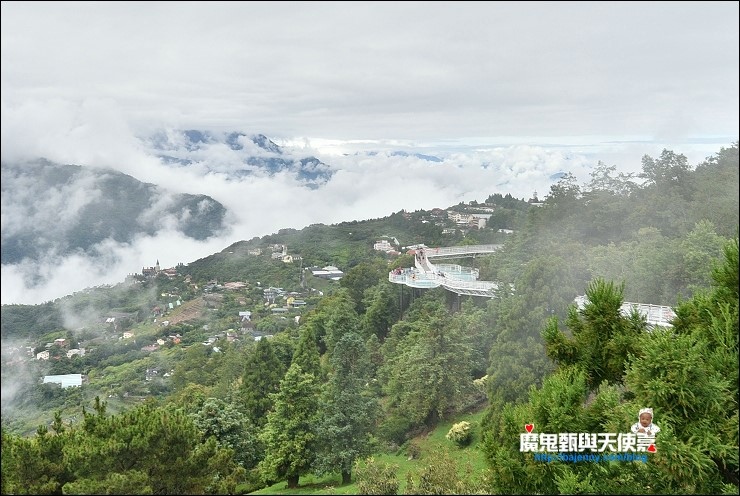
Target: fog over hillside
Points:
(262, 195)
(259, 200)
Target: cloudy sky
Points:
(527, 89)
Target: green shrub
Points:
(376, 477)
(394, 429)
(460, 433)
(441, 474)
(413, 450)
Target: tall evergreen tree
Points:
(231, 428)
(290, 433)
(262, 375)
(382, 311)
(517, 360)
(341, 318)
(428, 372)
(349, 409)
(306, 355)
(334, 316)
(362, 276)
(602, 337)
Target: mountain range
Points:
(67, 226)
(245, 155)
(55, 210)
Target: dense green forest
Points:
(366, 365)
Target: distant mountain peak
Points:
(264, 142)
(260, 140)
(184, 148)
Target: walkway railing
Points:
(460, 251)
(455, 278)
(417, 279)
(659, 315)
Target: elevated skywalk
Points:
(464, 280)
(460, 251)
(455, 278)
(415, 278)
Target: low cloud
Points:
(365, 179)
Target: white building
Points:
(328, 272)
(383, 245)
(65, 380)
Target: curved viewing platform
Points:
(456, 278)
(417, 279)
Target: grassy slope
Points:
(428, 443)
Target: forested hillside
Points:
(245, 369)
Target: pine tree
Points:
(290, 433)
(306, 355)
(602, 338)
(427, 373)
(349, 410)
(262, 375)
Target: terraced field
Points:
(190, 310)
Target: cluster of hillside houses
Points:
(387, 244)
(62, 343)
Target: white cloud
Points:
(353, 70)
